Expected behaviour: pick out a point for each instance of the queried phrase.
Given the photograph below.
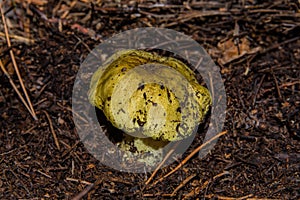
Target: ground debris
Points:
(256, 47)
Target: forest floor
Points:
(257, 47)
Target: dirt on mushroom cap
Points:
(165, 101)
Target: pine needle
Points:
(15, 65)
(15, 87)
(190, 156)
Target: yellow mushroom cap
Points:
(147, 95)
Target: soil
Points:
(256, 44)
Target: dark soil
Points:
(259, 157)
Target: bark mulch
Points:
(256, 44)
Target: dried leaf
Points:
(230, 51)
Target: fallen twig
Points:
(83, 192)
(204, 185)
(52, 130)
(161, 164)
(190, 156)
(257, 89)
(78, 181)
(183, 184)
(19, 38)
(15, 87)
(277, 87)
(211, 196)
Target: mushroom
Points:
(149, 96)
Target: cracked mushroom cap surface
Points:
(148, 95)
